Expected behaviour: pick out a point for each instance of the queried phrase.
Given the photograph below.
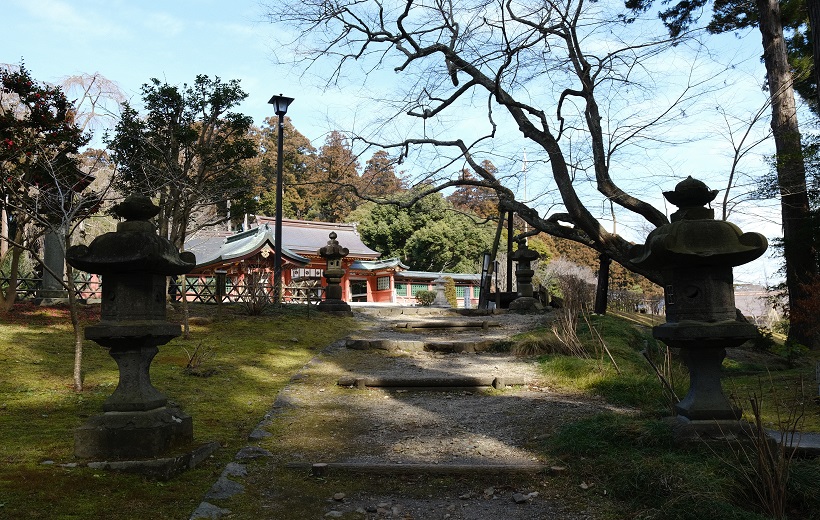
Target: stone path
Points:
(411, 401)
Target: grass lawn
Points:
(626, 461)
(251, 359)
(629, 460)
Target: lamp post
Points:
(280, 108)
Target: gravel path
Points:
(472, 432)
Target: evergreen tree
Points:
(429, 235)
(298, 165)
(379, 178)
(472, 196)
(40, 174)
(331, 186)
(189, 151)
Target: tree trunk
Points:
(186, 311)
(4, 232)
(813, 7)
(11, 291)
(75, 323)
(68, 283)
(602, 290)
(798, 249)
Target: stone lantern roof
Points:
(134, 247)
(694, 237)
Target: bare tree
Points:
(740, 134)
(45, 179)
(571, 76)
(97, 99)
(58, 208)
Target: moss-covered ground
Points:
(250, 360)
(630, 460)
(626, 464)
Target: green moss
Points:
(253, 359)
(634, 460)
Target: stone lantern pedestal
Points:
(695, 255)
(137, 422)
(523, 256)
(333, 254)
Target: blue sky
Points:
(130, 42)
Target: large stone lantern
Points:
(695, 254)
(524, 257)
(134, 263)
(333, 253)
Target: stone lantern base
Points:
(133, 435)
(694, 432)
(334, 306)
(526, 304)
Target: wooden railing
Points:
(203, 289)
(86, 286)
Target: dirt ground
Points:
(433, 423)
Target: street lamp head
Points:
(280, 104)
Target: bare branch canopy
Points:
(476, 79)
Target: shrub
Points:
(425, 298)
(450, 291)
(763, 340)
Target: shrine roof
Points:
(301, 240)
(306, 237)
(215, 249)
(428, 276)
(377, 265)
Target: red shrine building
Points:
(244, 261)
(248, 257)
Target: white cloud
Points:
(59, 17)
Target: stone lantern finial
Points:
(691, 196)
(136, 207)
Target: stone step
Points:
(418, 383)
(323, 468)
(447, 325)
(456, 347)
(424, 311)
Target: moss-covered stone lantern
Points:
(134, 262)
(333, 254)
(695, 254)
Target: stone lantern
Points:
(524, 256)
(333, 254)
(134, 262)
(695, 254)
(441, 296)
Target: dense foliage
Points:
(39, 147)
(41, 178)
(429, 235)
(189, 150)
